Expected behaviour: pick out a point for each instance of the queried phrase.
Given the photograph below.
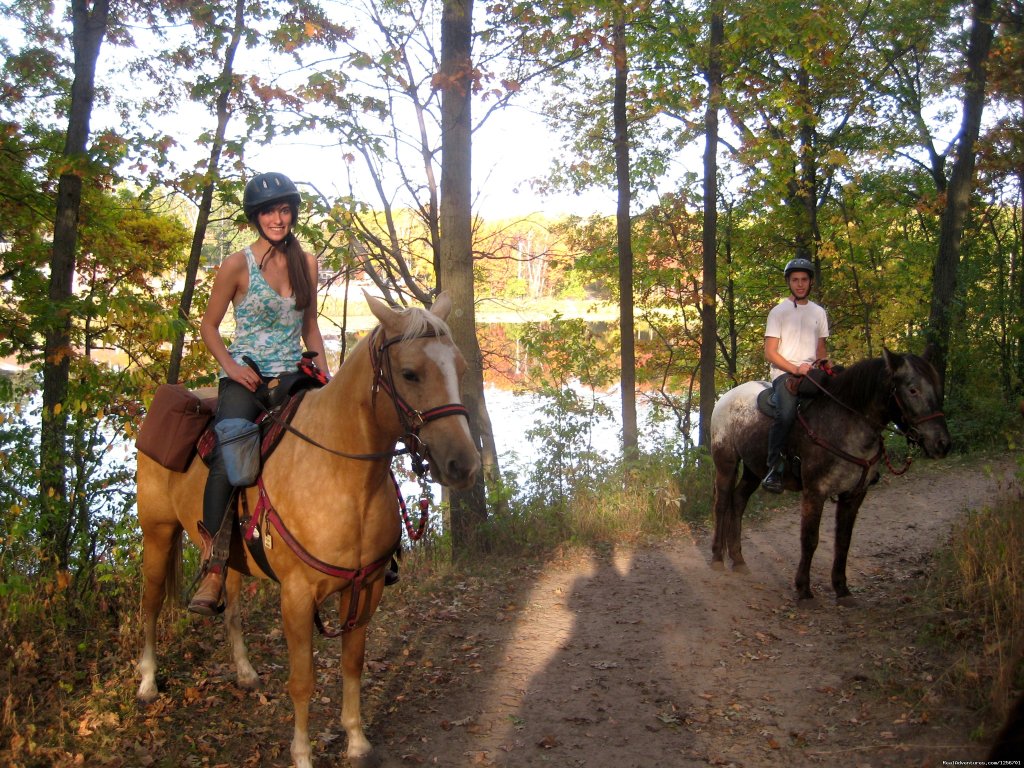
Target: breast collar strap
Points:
(864, 464)
(357, 578)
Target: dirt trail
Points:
(647, 657)
(629, 657)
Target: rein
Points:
(864, 464)
(411, 419)
(911, 435)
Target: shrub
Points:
(979, 586)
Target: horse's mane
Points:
(858, 385)
(420, 322)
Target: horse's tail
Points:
(173, 573)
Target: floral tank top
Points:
(268, 327)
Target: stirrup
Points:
(774, 481)
(391, 576)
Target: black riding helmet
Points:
(799, 265)
(267, 188)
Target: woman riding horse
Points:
(271, 285)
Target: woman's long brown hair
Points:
(298, 275)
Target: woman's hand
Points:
(244, 375)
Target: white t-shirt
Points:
(798, 328)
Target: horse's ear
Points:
(380, 309)
(892, 360)
(442, 305)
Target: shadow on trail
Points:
(610, 692)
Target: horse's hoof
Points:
(741, 568)
(147, 692)
(249, 683)
(369, 760)
(807, 603)
(847, 601)
(717, 565)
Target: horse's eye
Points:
(913, 391)
(410, 376)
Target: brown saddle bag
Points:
(172, 427)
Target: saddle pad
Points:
(765, 400)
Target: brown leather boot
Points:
(207, 598)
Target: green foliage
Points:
(19, 508)
(575, 491)
(613, 504)
(569, 462)
(97, 527)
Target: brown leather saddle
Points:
(806, 388)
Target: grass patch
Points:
(978, 591)
(647, 499)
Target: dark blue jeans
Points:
(785, 415)
(233, 402)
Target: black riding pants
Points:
(785, 415)
(234, 401)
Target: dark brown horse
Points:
(834, 450)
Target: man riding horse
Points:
(794, 338)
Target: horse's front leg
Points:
(810, 522)
(297, 617)
(846, 514)
(246, 675)
(353, 655)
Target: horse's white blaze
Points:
(443, 356)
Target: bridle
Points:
(412, 420)
(912, 434)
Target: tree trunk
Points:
(709, 320)
(624, 233)
(88, 30)
(206, 199)
(806, 191)
(468, 508)
(958, 194)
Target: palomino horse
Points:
(330, 484)
(834, 451)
